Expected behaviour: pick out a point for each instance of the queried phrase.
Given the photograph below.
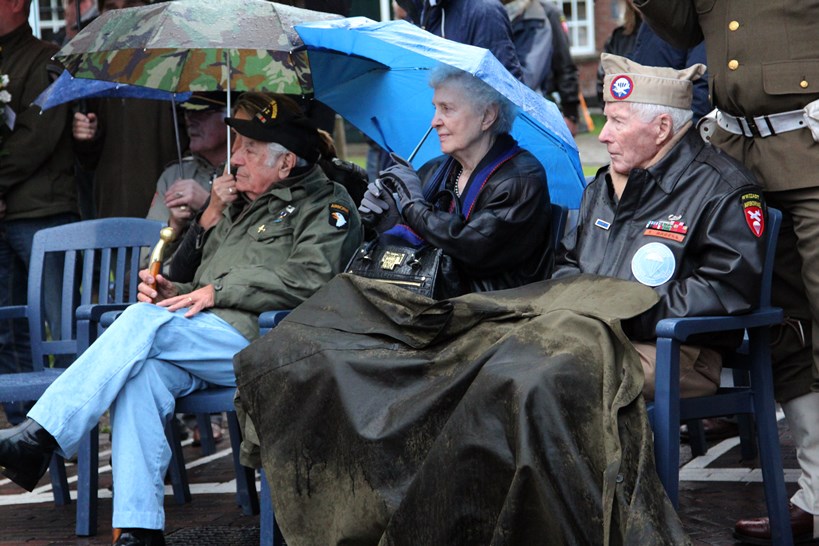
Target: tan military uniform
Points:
(765, 60)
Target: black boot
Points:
(141, 537)
(25, 451)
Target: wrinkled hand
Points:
(84, 126)
(186, 192)
(222, 193)
(147, 293)
(402, 181)
(198, 300)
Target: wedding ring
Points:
(230, 190)
(178, 194)
(183, 207)
(190, 299)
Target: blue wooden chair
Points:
(755, 398)
(269, 533)
(100, 263)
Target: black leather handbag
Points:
(425, 270)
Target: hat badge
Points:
(621, 87)
(270, 112)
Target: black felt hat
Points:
(276, 123)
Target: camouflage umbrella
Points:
(192, 45)
(196, 45)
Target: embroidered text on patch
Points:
(339, 216)
(754, 217)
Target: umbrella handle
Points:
(418, 146)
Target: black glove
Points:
(402, 182)
(378, 208)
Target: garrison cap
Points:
(627, 81)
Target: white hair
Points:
(479, 94)
(648, 112)
(276, 150)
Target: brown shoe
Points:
(758, 530)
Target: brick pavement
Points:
(708, 508)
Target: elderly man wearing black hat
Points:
(270, 237)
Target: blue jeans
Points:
(138, 366)
(16, 239)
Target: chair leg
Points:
(246, 495)
(696, 437)
(59, 481)
(747, 438)
(770, 456)
(179, 476)
(270, 534)
(667, 417)
(88, 459)
(205, 434)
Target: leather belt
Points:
(762, 126)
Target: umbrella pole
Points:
(229, 113)
(176, 134)
(418, 147)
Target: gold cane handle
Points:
(166, 236)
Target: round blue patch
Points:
(653, 264)
(621, 87)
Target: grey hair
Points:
(647, 112)
(477, 93)
(276, 150)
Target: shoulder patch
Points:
(339, 216)
(752, 208)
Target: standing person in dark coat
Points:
(37, 188)
(481, 23)
(764, 61)
(542, 44)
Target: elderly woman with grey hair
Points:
(482, 193)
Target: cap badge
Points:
(621, 87)
(270, 112)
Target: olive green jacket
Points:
(275, 252)
(775, 47)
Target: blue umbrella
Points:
(375, 75)
(67, 88)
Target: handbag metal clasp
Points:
(391, 260)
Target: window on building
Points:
(580, 19)
(46, 18)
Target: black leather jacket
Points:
(696, 202)
(506, 241)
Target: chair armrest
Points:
(683, 328)
(13, 312)
(93, 313)
(270, 319)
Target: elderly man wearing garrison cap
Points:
(670, 212)
(270, 236)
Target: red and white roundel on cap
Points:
(621, 87)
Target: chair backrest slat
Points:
(95, 239)
(772, 228)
